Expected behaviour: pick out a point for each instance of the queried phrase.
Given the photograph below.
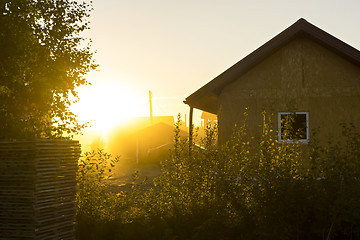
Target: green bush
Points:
(249, 188)
(96, 205)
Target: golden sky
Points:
(174, 47)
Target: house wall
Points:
(301, 76)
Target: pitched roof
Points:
(206, 98)
(145, 121)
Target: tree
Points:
(43, 59)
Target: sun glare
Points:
(108, 105)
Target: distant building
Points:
(143, 140)
(208, 118)
(141, 122)
(303, 71)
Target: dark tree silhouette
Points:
(43, 59)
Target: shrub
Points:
(96, 205)
(249, 188)
(255, 188)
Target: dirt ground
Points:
(124, 176)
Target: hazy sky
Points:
(174, 47)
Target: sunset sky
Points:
(174, 47)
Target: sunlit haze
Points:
(174, 47)
(107, 104)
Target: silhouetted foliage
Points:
(43, 58)
(249, 188)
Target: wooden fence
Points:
(38, 189)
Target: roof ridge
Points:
(301, 26)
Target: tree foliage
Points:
(43, 59)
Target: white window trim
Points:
(294, 141)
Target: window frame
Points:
(294, 141)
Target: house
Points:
(302, 72)
(144, 139)
(154, 142)
(208, 118)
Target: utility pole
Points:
(151, 110)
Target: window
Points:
(293, 127)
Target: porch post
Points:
(190, 129)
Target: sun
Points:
(107, 105)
